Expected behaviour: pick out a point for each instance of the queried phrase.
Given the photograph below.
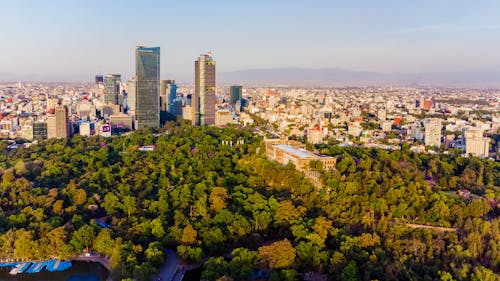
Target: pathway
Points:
(172, 269)
(438, 228)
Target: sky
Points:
(88, 37)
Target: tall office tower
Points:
(147, 69)
(131, 94)
(475, 143)
(61, 122)
(204, 91)
(433, 132)
(236, 93)
(112, 88)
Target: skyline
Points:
(84, 38)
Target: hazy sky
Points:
(85, 37)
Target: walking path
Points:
(438, 228)
(172, 270)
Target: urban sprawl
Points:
(425, 119)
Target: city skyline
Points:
(385, 37)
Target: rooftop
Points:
(298, 152)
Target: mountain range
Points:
(295, 76)
(344, 77)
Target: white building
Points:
(433, 132)
(85, 129)
(475, 143)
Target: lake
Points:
(80, 271)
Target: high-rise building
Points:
(203, 102)
(433, 132)
(131, 95)
(235, 93)
(112, 88)
(177, 107)
(51, 127)
(475, 143)
(168, 93)
(61, 114)
(147, 69)
(172, 95)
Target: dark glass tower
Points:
(147, 69)
(111, 88)
(236, 93)
(172, 95)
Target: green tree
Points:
(83, 238)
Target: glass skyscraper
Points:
(235, 93)
(112, 88)
(204, 91)
(168, 93)
(147, 69)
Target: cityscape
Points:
(228, 164)
(427, 119)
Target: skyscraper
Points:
(60, 123)
(235, 93)
(204, 91)
(147, 69)
(111, 88)
(172, 95)
(131, 95)
(168, 93)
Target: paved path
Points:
(438, 228)
(172, 269)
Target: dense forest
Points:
(382, 215)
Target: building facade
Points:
(147, 69)
(62, 128)
(433, 132)
(475, 143)
(235, 93)
(39, 130)
(203, 102)
(111, 88)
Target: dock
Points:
(20, 268)
(37, 266)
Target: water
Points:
(80, 271)
(193, 275)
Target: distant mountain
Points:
(343, 77)
(294, 76)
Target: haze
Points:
(83, 38)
